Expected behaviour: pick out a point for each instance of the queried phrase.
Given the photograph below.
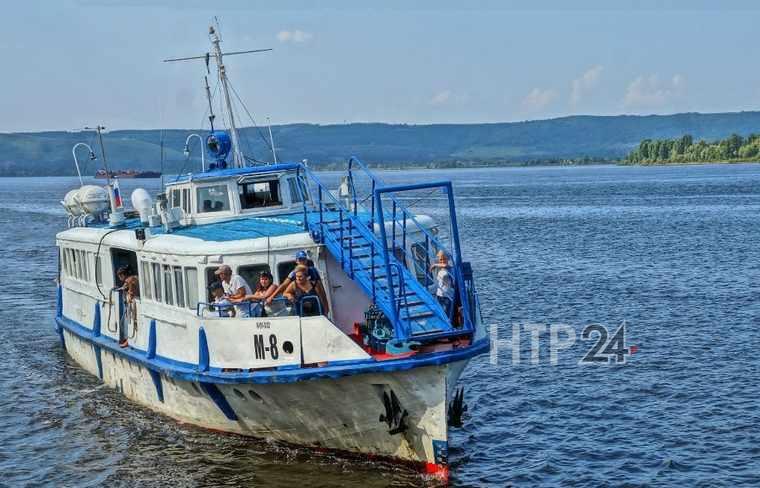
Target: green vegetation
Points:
(567, 140)
(734, 148)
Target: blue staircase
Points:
(364, 241)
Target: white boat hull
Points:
(341, 413)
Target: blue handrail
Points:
(406, 213)
(226, 307)
(360, 234)
(458, 275)
(344, 216)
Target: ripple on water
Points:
(671, 251)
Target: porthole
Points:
(287, 346)
(239, 393)
(255, 396)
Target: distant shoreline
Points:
(396, 168)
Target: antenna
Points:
(271, 140)
(217, 54)
(99, 129)
(211, 115)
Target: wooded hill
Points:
(553, 141)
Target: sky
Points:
(71, 63)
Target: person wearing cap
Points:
(235, 287)
(302, 259)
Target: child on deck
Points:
(444, 281)
(221, 303)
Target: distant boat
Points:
(127, 173)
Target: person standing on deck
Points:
(235, 287)
(130, 286)
(444, 281)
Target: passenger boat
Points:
(377, 375)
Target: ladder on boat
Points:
(372, 247)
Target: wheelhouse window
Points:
(258, 194)
(175, 198)
(297, 190)
(213, 199)
(186, 200)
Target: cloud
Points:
(651, 92)
(583, 85)
(441, 97)
(297, 36)
(538, 99)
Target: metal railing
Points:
(256, 308)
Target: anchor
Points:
(457, 408)
(394, 415)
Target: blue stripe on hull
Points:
(156, 377)
(213, 391)
(99, 360)
(191, 372)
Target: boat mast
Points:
(239, 161)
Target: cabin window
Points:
(65, 261)
(191, 281)
(186, 200)
(176, 198)
(260, 194)
(179, 287)
(213, 199)
(156, 281)
(99, 269)
(72, 263)
(168, 294)
(210, 278)
(284, 269)
(77, 266)
(295, 194)
(90, 266)
(146, 284)
(251, 273)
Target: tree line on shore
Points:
(685, 150)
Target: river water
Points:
(671, 252)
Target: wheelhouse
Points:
(228, 193)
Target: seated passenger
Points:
(444, 280)
(235, 287)
(302, 259)
(220, 303)
(303, 293)
(265, 288)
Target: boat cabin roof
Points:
(232, 172)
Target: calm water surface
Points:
(672, 251)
